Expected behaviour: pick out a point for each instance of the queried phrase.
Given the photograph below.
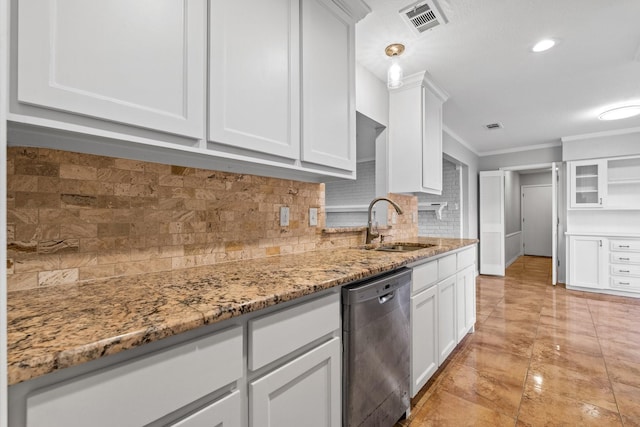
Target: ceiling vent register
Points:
(423, 16)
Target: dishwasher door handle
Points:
(387, 297)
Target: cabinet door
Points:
(586, 259)
(424, 337)
(225, 412)
(305, 391)
(432, 145)
(588, 184)
(465, 302)
(328, 82)
(140, 63)
(254, 99)
(446, 318)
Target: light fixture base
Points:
(394, 49)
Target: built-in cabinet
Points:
(288, 363)
(279, 95)
(415, 136)
(442, 311)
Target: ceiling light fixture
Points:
(394, 73)
(543, 45)
(618, 113)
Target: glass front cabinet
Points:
(588, 183)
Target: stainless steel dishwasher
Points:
(375, 332)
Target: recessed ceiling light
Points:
(543, 45)
(620, 112)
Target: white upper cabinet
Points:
(139, 63)
(255, 75)
(328, 85)
(588, 186)
(415, 136)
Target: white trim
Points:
(600, 134)
(526, 167)
(637, 55)
(5, 13)
(520, 253)
(459, 139)
(346, 208)
(520, 149)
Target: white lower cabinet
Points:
(587, 258)
(305, 391)
(424, 337)
(225, 412)
(465, 301)
(447, 338)
(443, 311)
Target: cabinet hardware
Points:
(624, 246)
(623, 259)
(600, 241)
(624, 271)
(600, 200)
(624, 283)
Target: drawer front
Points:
(631, 284)
(447, 266)
(424, 276)
(625, 270)
(275, 335)
(466, 258)
(625, 245)
(142, 390)
(625, 258)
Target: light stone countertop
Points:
(58, 327)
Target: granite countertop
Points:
(59, 327)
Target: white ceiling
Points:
(483, 59)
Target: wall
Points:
(450, 224)
(512, 202)
(540, 178)
(605, 144)
(75, 217)
(460, 153)
(372, 96)
(520, 158)
(351, 193)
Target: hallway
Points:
(541, 355)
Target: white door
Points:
(492, 232)
(305, 391)
(536, 223)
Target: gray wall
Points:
(541, 178)
(449, 225)
(512, 201)
(346, 192)
(624, 144)
(520, 158)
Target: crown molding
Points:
(600, 134)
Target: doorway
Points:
(536, 224)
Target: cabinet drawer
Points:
(625, 245)
(631, 284)
(447, 266)
(466, 258)
(625, 258)
(275, 335)
(224, 412)
(424, 275)
(142, 390)
(625, 270)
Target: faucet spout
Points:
(370, 233)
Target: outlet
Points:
(284, 216)
(313, 217)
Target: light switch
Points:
(284, 216)
(313, 217)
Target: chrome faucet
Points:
(370, 234)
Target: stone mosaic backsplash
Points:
(75, 217)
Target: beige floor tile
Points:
(623, 371)
(628, 398)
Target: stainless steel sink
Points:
(403, 247)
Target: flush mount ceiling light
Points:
(394, 73)
(543, 45)
(618, 113)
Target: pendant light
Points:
(394, 73)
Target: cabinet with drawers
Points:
(624, 265)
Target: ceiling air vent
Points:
(423, 16)
(492, 126)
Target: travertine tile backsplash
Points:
(74, 217)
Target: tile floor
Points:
(540, 356)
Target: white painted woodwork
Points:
(624, 258)
(415, 136)
(625, 245)
(537, 214)
(139, 63)
(226, 412)
(466, 257)
(328, 85)
(587, 184)
(492, 223)
(555, 220)
(465, 301)
(586, 266)
(424, 336)
(447, 266)
(142, 390)
(423, 276)
(626, 284)
(254, 75)
(275, 335)
(306, 391)
(447, 338)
